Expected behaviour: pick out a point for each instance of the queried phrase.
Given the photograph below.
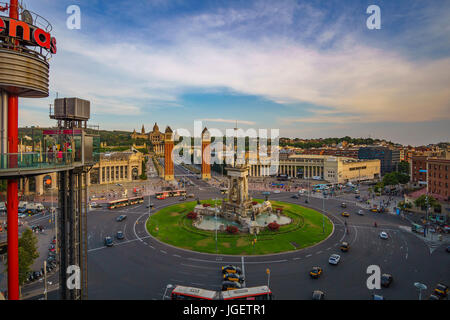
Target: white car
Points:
(384, 235)
(334, 259)
(360, 212)
(277, 191)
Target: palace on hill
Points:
(155, 136)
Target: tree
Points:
(390, 179)
(421, 202)
(28, 253)
(403, 167)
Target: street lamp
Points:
(167, 287)
(421, 287)
(215, 219)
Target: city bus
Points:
(135, 200)
(117, 203)
(178, 193)
(162, 195)
(190, 293)
(320, 187)
(253, 293)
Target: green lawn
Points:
(170, 225)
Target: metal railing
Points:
(35, 160)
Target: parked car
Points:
(318, 295)
(334, 259)
(230, 285)
(231, 269)
(386, 280)
(441, 290)
(233, 277)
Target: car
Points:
(386, 280)
(345, 214)
(345, 246)
(120, 235)
(343, 205)
(121, 218)
(230, 285)
(109, 242)
(318, 295)
(441, 290)
(233, 277)
(151, 205)
(182, 199)
(231, 269)
(360, 212)
(374, 210)
(334, 259)
(295, 196)
(316, 272)
(191, 195)
(384, 235)
(277, 191)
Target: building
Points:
(337, 152)
(438, 178)
(141, 135)
(155, 137)
(389, 158)
(328, 168)
(418, 169)
(117, 167)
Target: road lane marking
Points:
(309, 255)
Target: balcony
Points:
(33, 163)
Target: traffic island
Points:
(175, 225)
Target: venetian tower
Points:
(168, 148)
(206, 154)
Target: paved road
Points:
(140, 267)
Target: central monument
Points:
(239, 202)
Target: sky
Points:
(311, 69)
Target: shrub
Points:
(254, 203)
(232, 229)
(273, 226)
(192, 215)
(206, 205)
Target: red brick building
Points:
(418, 163)
(438, 178)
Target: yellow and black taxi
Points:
(441, 290)
(230, 285)
(316, 272)
(233, 277)
(345, 214)
(231, 269)
(345, 246)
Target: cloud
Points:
(250, 123)
(255, 51)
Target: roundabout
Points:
(141, 266)
(307, 227)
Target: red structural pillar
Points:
(12, 205)
(12, 190)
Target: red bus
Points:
(189, 293)
(253, 293)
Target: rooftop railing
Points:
(10, 162)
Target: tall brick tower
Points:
(168, 161)
(206, 154)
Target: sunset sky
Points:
(309, 68)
